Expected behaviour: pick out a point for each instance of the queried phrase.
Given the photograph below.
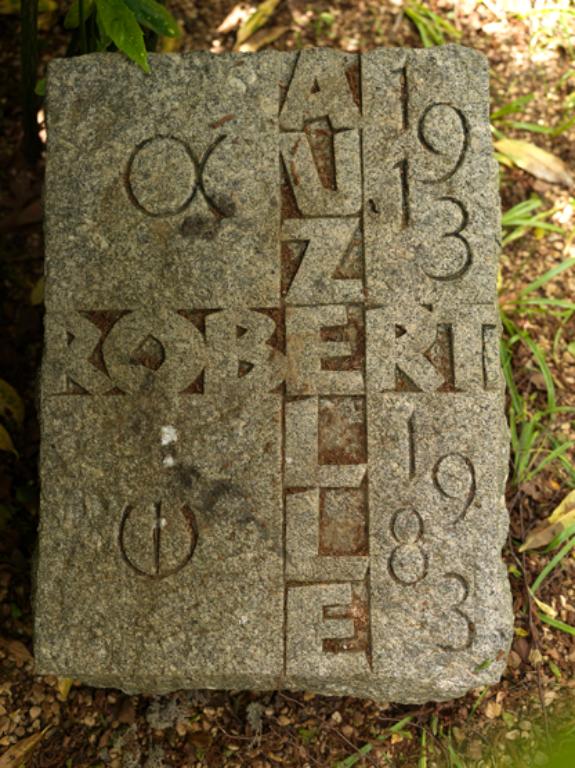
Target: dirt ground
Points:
(46, 721)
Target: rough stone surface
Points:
(274, 449)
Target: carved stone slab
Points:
(274, 450)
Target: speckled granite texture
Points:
(273, 439)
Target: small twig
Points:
(533, 627)
(28, 66)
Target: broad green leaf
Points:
(72, 19)
(154, 16)
(10, 402)
(536, 161)
(259, 17)
(121, 26)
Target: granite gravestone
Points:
(273, 442)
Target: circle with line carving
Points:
(157, 540)
(161, 176)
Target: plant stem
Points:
(28, 67)
(82, 24)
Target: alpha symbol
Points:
(164, 175)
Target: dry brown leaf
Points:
(63, 686)
(19, 753)
(235, 17)
(493, 709)
(11, 403)
(6, 443)
(17, 651)
(262, 38)
(37, 292)
(536, 161)
(257, 20)
(560, 519)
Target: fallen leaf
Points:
(262, 38)
(37, 292)
(19, 753)
(63, 687)
(493, 709)
(545, 607)
(11, 403)
(560, 519)
(6, 443)
(235, 17)
(536, 161)
(257, 20)
(16, 650)
(31, 214)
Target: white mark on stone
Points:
(169, 461)
(243, 620)
(169, 435)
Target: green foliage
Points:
(119, 24)
(154, 16)
(432, 28)
(101, 24)
(517, 221)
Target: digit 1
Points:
(404, 94)
(403, 166)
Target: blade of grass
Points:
(514, 106)
(552, 564)
(547, 276)
(556, 624)
(560, 538)
(552, 456)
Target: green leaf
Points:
(72, 19)
(154, 16)
(120, 24)
(40, 88)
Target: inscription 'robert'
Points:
(207, 351)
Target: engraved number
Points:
(454, 477)
(456, 608)
(408, 561)
(429, 144)
(456, 233)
